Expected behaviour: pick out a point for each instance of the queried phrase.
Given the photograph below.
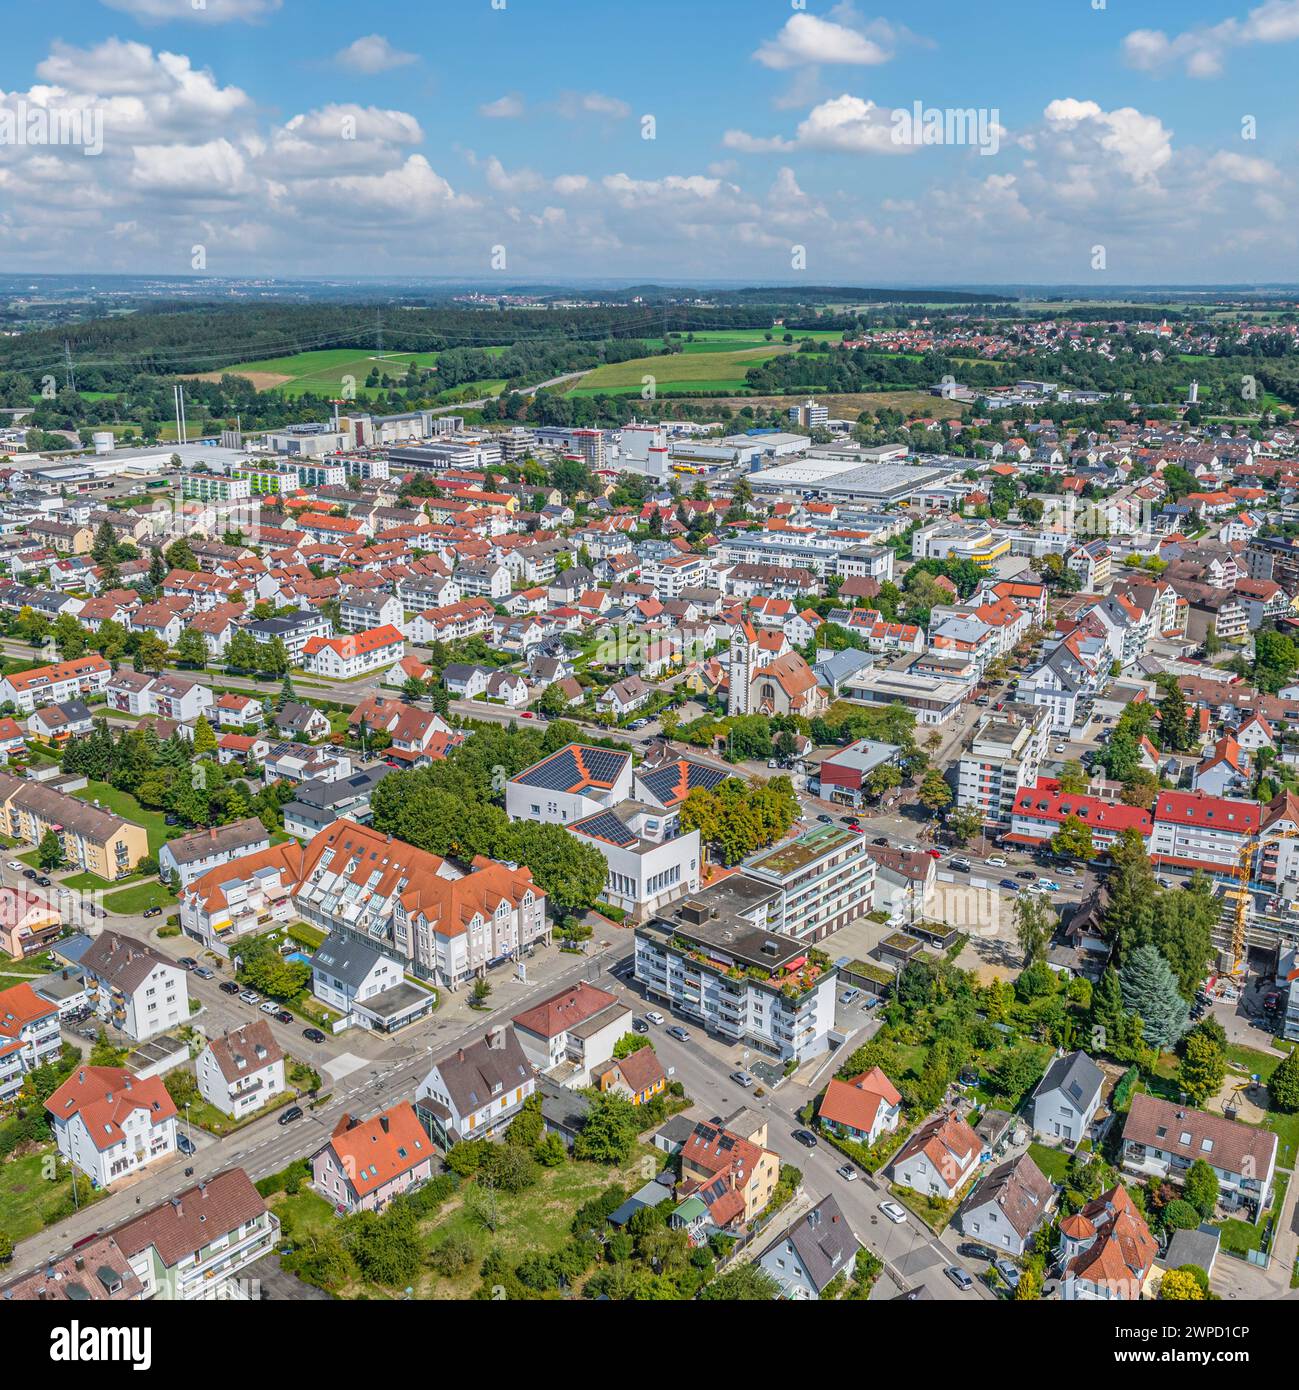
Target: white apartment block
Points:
(1004, 754)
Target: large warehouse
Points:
(850, 480)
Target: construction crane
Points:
(1245, 864)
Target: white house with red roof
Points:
(863, 1107)
(939, 1157)
(109, 1123)
(357, 654)
(29, 1036)
(1195, 831)
(1040, 811)
(572, 1032)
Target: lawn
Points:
(28, 1200)
(699, 371)
(1054, 1163)
(141, 898)
(207, 1117)
(1240, 1236)
(125, 805)
(323, 372)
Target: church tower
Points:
(744, 662)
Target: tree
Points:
(1283, 1084)
(1150, 991)
(745, 1283)
(413, 688)
(104, 547)
(569, 871)
(180, 557)
(151, 653)
(481, 989)
(1201, 1188)
(191, 649)
(205, 741)
(935, 795)
(49, 853)
(883, 780)
(1035, 924)
(1130, 917)
(1074, 839)
(1174, 726)
(1179, 1285)
(1203, 1067)
(610, 1132)
(1180, 1215)
(965, 824)
(1073, 778)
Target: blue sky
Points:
(449, 137)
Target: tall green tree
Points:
(1150, 991)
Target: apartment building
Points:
(194, 1247)
(108, 1123)
(368, 988)
(475, 1091)
(1195, 831)
(575, 782)
(241, 1071)
(648, 866)
(295, 630)
(93, 839)
(247, 894)
(1039, 812)
(825, 878)
(29, 1036)
(742, 983)
(346, 658)
(191, 856)
(363, 610)
(1004, 755)
(53, 685)
(367, 1163)
(133, 987)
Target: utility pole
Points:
(69, 374)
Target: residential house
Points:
(1067, 1098)
(1106, 1250)
(733, 1176)
(939, 1157)
(638, 1077)
(572, 1034)
(365, 986)
(241, 1072)
(109, 1123)
(817, 1249)
(137, 989)
(191, 856)
(477, 1090)
(861, 1108)
(367, 1163)
(29, 1036)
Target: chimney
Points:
(383, 1123)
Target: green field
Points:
(133, 900)
(323, 372)
(722, 369)
(126, 806)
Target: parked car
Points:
(30, 873)
(44, 881)
(850, 996)
(654, 1016)
(1009, 1272)
(997, 861)
(203, 972)
(268, 1008)
(184, 1143)
(972, 1251)
(229, 987)
(958, 1277)
(894, 1212)
(806, 1138)
(847, 1172)
(294, 1112)
(639, 1025)
(154, 912)
(679, 1033)
(187, 963)
(880, 840)
(313, 1035)
(934, 853)
(283, 1016)
(742, 1078)
(1026, 874)
(250, 996)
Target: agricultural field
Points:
(323, 372)
(722, 369)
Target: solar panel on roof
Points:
(606, 826)
(603, 764)
(557, 773)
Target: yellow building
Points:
(93, 839)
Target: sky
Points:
(1069, 141)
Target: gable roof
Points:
(374, 1152)
(1019, 1189)
(1077, 1076)
(823, 1241)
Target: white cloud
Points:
(216, 168)
(808, 39)
(1140, 145)
(1202, 51)
(373, 54)
(571, 105)
(202, 12)
(521, 181)
(566, 185)
(849, 124)
(506, 108)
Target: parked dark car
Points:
(806, 1138)
(229, 987)
(187, 962)
(44, 881)
(294, 1112)
(313, 1035)
(31, 874)
(283, 1016)
(184, 1143)
(971, 1251)
(157, 912)
(880, 840)
(826, 820)
(639, 1025)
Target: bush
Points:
(454, 1255)
(288, 1180)
(1181, 1216)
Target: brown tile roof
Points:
(858, 1101)
(194, 1218)
(1160, 1124)
(374, 1152)
(122, 960)
(246, 1050)
(564, 1011)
